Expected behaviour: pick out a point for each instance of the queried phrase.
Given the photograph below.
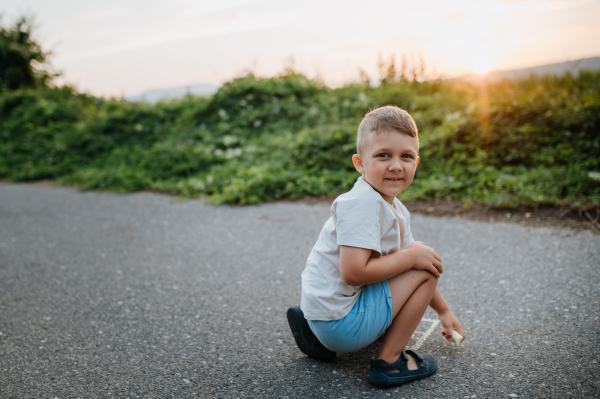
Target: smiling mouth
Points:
(394, 178)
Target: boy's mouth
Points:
(394, 178)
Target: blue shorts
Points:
(367, 320)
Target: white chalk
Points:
(456, 337)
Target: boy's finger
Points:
(458, 329)
(434, 271)
(450, 335)
(446, 335)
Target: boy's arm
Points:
(358, 268)
(449, 321)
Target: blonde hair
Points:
(385, 118)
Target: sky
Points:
(122, 48)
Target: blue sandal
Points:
(381, 371)
(305, 338)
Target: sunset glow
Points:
(482, 67)
(123, 48)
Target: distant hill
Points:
(591, 64)
(155, 95)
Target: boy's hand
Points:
(450, 322)
(425, 258)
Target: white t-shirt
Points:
(359, 218)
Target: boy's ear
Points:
(417, 164)
(358, 163)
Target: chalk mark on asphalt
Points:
(422, 336)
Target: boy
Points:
(366, 276)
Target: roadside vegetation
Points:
(529, 142)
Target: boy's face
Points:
(389, 162)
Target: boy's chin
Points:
(390, 193)
(393, 189)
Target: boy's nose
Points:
(396, 165)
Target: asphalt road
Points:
(127, 296)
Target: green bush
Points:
(529, 142)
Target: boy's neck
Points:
(385, 197)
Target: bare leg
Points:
(411, 294)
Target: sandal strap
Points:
(418, 358)
(400, 364)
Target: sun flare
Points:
(482, 67)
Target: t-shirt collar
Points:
(361, 181)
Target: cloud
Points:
(106, 13)
(234, 23)
(451, 17)
(551, 4)
(198, 9)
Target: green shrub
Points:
(529, 142)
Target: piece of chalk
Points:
(456, 337)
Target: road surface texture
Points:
(142, 295)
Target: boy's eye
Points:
(407, 156)
(384, 155)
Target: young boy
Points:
(366, 276)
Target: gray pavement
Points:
(127, 296)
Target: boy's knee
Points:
(430, 279)
(427, 276)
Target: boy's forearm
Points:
(438, 303)
(386, 267)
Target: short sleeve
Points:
(408, 238)
(358, 223)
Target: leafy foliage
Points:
(530, 142)
(22, 60)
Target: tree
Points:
(23, 63)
